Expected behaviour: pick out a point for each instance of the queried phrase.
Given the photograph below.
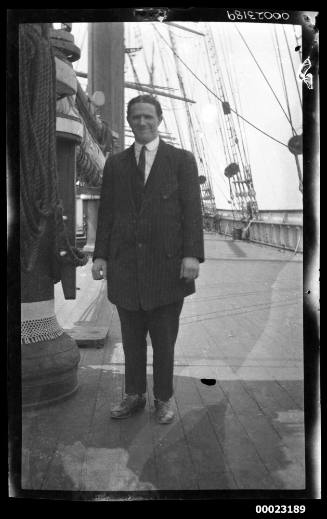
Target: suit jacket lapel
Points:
(128, 170)
(157, 174)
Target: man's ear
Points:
(160, 120)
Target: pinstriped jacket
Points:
(144, 249)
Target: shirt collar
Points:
(150, 146)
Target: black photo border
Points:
(240, 499)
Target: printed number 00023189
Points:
(280, 509)
(237, 15)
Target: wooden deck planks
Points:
(295, 389)
(173, 466)
(73, 421)
(271, 448)
(47, 428)
(125, 444)
(272, 397)
(286, 419)
(225, 423)
(245, 432)
(240, 454)
(39, 441)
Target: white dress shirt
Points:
(150, 154)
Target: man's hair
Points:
(145, 99)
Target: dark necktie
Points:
(141, 165)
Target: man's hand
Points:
(189, 269)
(99, 269)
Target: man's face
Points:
(144, 121)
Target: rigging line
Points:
(281, 71)
(238, 106)
(230, 80)
(228, 122)
(136, 78)
(219, 87)
(224, 149)
(234, 111)
(291, 60)
(206, 74)
(210, 180)
(224, 138)
(203, 155)
(266, 79)
(242, 158)
(150, 70)
(222, 127)
(194, 143)
(226, 154)
(216, 183)
(234, 208)
(172, 101)
(243, 130)
(298, 167)
(139, 41)
(284, 81)
(278, 62)
(224, 134)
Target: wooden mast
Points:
(106, 73)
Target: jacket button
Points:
(140, 245)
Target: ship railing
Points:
(288, 236)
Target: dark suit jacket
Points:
(144, 249)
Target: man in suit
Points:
(149, 244)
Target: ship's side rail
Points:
(287, 236)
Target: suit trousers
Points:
(162, 324)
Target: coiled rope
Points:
(39, 198)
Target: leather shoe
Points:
(164, 412)
(129, 405)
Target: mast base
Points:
(49, 371)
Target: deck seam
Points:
(247, 434)
(228, 467)
(243, 383)
(89, 433)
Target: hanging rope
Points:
(37, 144)
(39, 202)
